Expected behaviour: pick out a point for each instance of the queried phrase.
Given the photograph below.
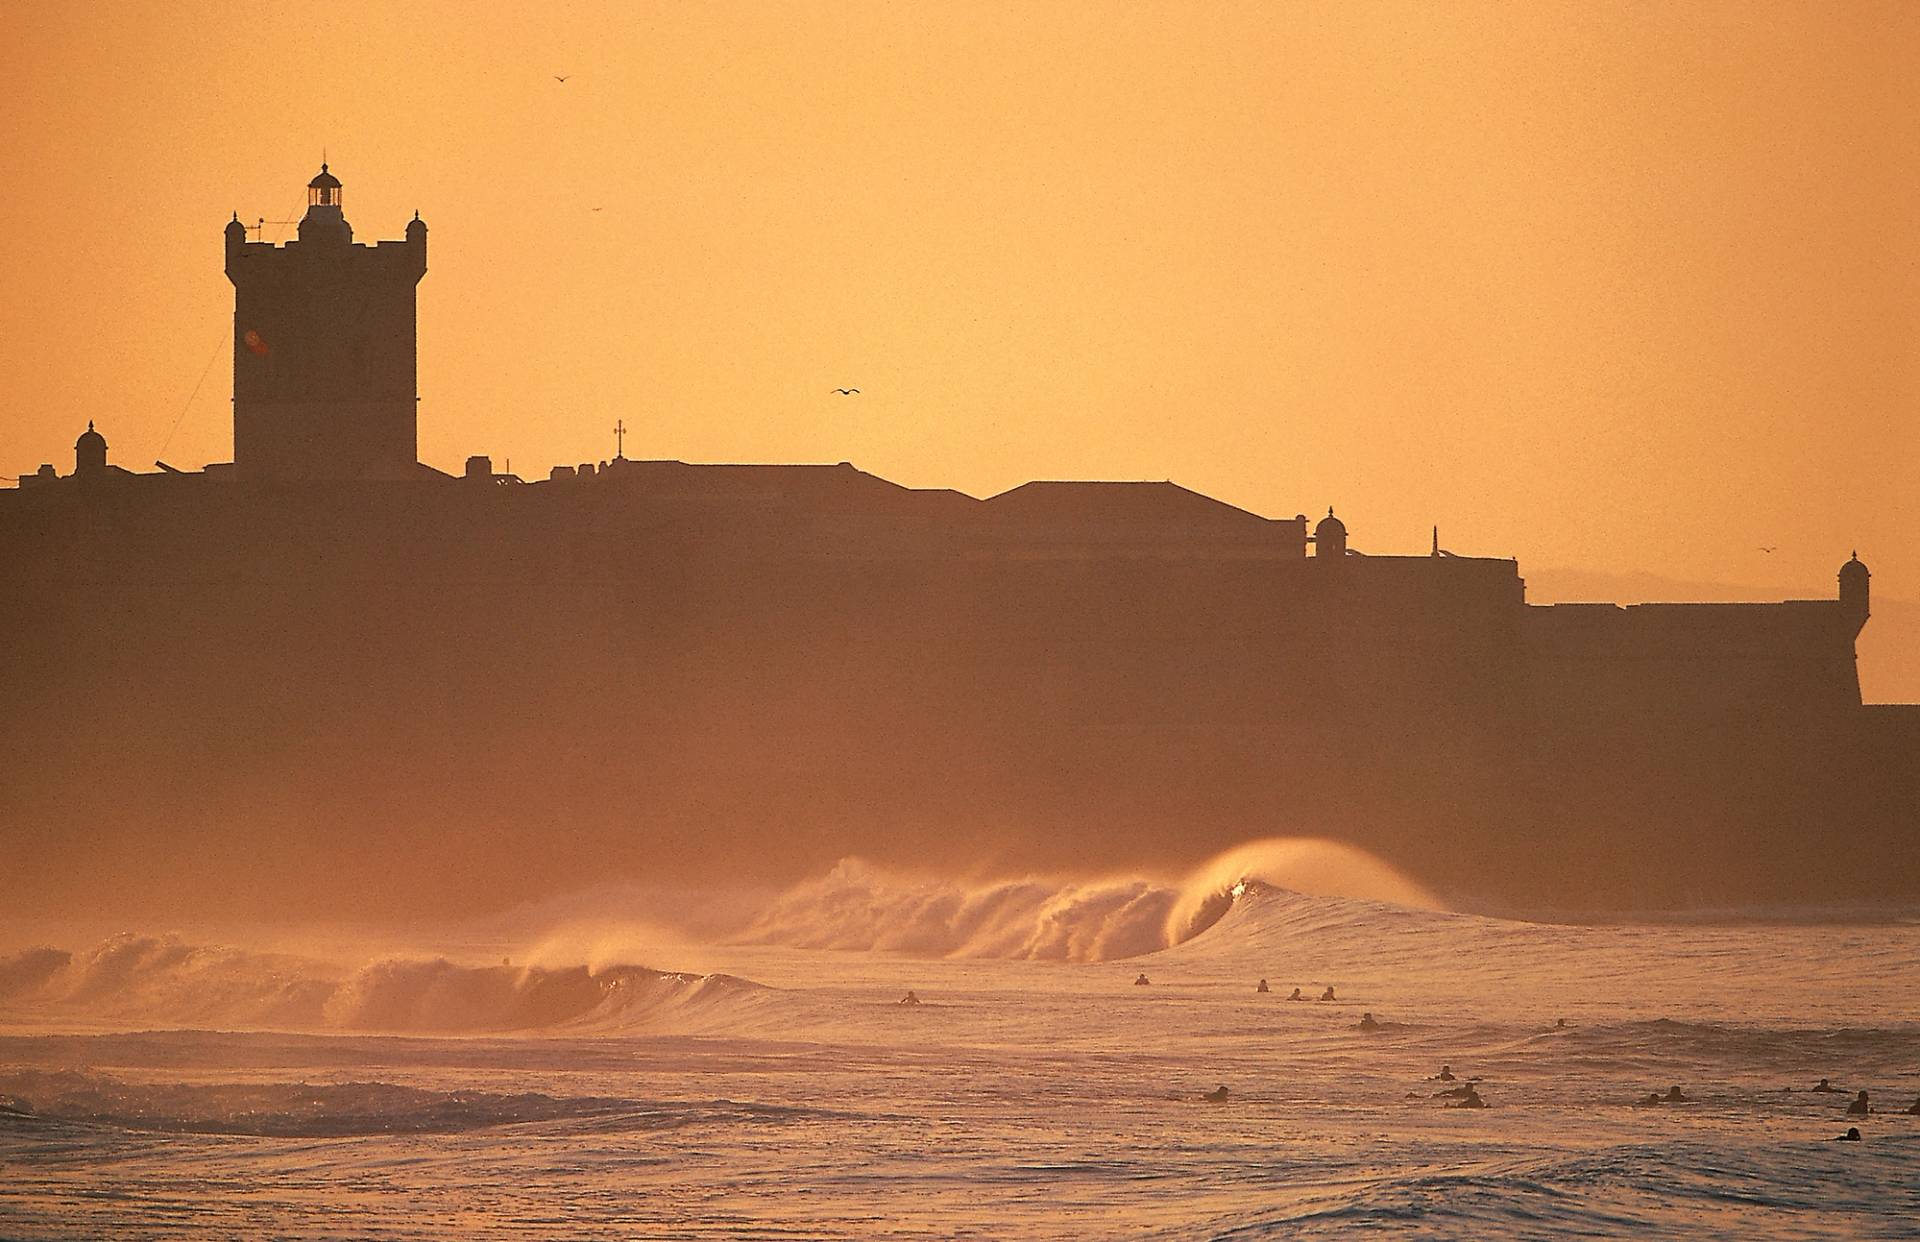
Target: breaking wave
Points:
(581, 978)
(443, 996)
(165, 979)
(857, 906)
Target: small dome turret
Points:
(416, 227)
(1330, 536)
(89, 451)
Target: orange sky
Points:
(1632, 288)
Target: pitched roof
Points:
(1155, 502)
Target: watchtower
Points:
(325, 379)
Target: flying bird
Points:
(560, 78)
(846, 392)
(599, 208)
(1774, 548)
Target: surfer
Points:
(1328, 994)
(1141, 980)
(1261, 986)
(1915, 1110)
(1296, 995)
(1652, 1097)
(1675, 1095)
(1824, 1087)
(1851, 1136)
(910, 998)
(1367, 1023)
(1216, 1096)
(1559, 1024)
(1470, 1100)
(1859, 1106)
(1445, 1074)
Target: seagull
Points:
(560, 78)
(599, 208)
(846, 392)
(1774, 548)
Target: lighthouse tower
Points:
(324, 373)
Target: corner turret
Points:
(236, 242)
(1853, 591)
(417, 239)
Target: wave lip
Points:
(860, 907)
(857, 906)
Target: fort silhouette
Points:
(331, 671)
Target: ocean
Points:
(771, 1084)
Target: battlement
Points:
(255, 260)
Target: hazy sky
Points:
(1629, 288)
